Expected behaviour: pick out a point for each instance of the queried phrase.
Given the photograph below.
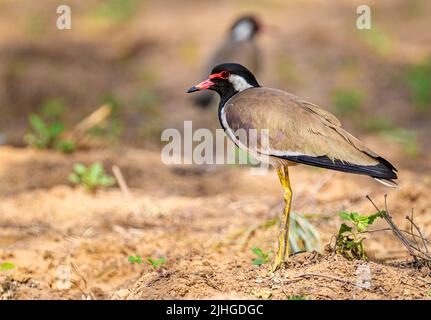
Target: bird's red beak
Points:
(201, 86)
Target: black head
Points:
(244, 28)
(227, 79)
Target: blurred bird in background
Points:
(239, 47)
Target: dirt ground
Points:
(54, 232)
(189, 219)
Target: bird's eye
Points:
(225, 74)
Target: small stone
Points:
(120, 294)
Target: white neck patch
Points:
(243, 31)
(239, 83)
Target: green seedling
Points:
(263, 257)
(380, 41)
(135, 259)
(303, 235)
(47, 135)
(419, 83)
(406, 138)
(347, 101)
(350, 238)
(156, 263)
(377, 124)
(91, 177)
(116, 11)
(6, 266)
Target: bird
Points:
(298, 132)
(239, 46)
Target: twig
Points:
(409, 246)
(91, 121)
(319, 275)
(125, 189)
(419, 231)
(389, 229)
(411, 230)
(394, 228)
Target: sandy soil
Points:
(189, 219)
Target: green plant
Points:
(347, 101)
(91, 177)
(377, 124)
(6, 266)
(381, 42)
(263, 257)
(135, 259)
(48, 128)
(350, 238)
(53, 109)
(418, 78)
(156, 263)
(47, 135)
(116, 11)
(303, 235)
(407, 138)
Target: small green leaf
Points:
(66, 146)
(5, 266)
(55, 130)
(345, 216)
(344, 228)
(362, 226)
(79, 168)
(96, 169)
(107, 181)
(373, 217)
(258, 261)
(73, 177)
(37, 124)
(355, 216)
(258, 251)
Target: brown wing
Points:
(298, 131)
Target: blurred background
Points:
(139, 58)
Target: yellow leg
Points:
(283, 238)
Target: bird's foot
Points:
(277, 264)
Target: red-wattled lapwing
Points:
(299, 132)
(239, 47)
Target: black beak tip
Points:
(192, 89)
